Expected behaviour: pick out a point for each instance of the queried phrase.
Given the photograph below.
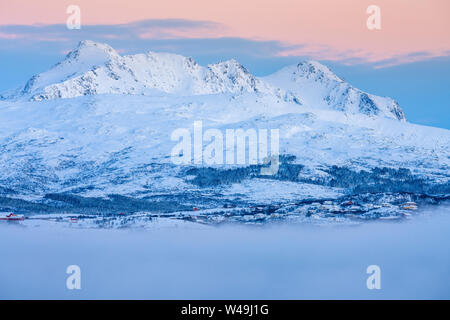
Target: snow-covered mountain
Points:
(99, 125)
(95, 68)
(319, 87)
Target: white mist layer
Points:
(277, 262)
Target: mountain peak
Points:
(230, 66)
(230, 62)
(90, 43)
(316, 69)
(88, 49)
(86, 56)
(318, 87)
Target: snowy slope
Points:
(110, 144)
(111, 134)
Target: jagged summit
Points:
(87, 55)
(94, 52)
(233, 76)
(316, 69)
(95, 68)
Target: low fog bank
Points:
(233, 262)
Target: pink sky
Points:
(329, 29)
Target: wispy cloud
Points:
(174, 35)
(156, 29)
(361, 56)
(190, 37)
(321, 29)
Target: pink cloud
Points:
(330, 29)
(11, 36)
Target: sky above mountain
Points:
(407, 59)
(410, 29)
